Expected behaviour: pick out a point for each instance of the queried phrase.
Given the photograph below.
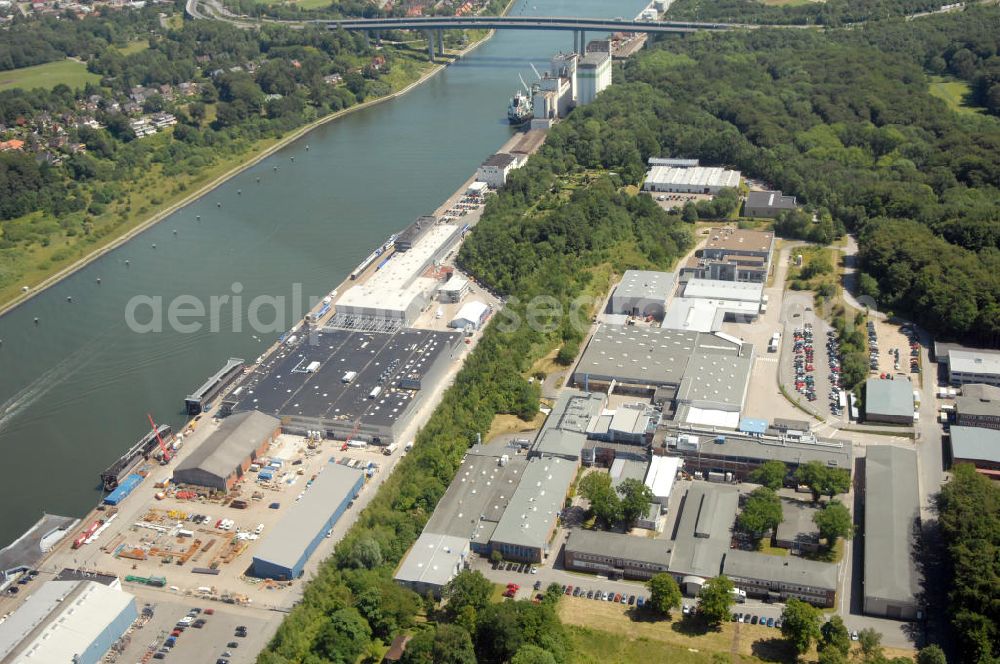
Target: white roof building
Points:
(399, 290)
(661, 476)
(691, 180)
(433, 561)
(973, 366)
(718, 289)
(66, 621)
(472, 314)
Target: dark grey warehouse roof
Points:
(892, 508)
(790, 570)
(229, 445)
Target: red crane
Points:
(165, 454)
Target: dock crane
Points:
(165, 454)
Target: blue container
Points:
(126, 487)
(265, 474)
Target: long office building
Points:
(66, 622)
(616, 555)
(969, 365)
(346, 383)
(892, 517)
(287, 547)
(739, 454)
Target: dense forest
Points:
(969, 516)
(33, 41)
(830, 13)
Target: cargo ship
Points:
(519, 109)
(138, 453)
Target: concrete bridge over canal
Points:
(434, 26)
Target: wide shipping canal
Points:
(76, 387)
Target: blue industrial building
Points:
(285, 550)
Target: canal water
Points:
(75, 388)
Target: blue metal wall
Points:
(114, 631)
(265, 569)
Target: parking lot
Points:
(892, 349)
(808, 383)
(671, 201)
(207, 644)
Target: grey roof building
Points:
(287, 547)
(477, 496)
(767, 204)
(717, 367)
(892, 514)
(616, 555)
(978, 406)
(797, 530)
(526, 526)
(974, 366)
(978, 446)
(565, 430)
(643, 293)
(222, 458)
(889, 401)
(704, 532)
(432, 562)
(782, 577)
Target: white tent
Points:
(472, 314)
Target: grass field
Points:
(591, 646)
(72, 73)
(954, 93)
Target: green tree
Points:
(800, 624)
(931, 654)
(445, 644)
(664, 594)
(834, 521)
(716, 599)
(823, 480)
(690, 212)
(363, 552)
(761, 512)
(532, 654)
(771, 474)
(604, 502)
(635, 500)
(871, 644)
(468, 588)
(831, 656)
(834, 635)
(344, 637)
(496, 556)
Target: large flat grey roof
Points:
(617, 545)
(478, 494)
(230, 444)
(892, 508)
(770, 199)
(982, 400)
(536, 503)
(975, 443)
(793, 570)
(889, 397)
(647, 355)
(712, 380)
(290, 537)
(704, 529)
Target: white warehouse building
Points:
(694, 180)
(67, 621)
(472, 315)
(643, 293)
